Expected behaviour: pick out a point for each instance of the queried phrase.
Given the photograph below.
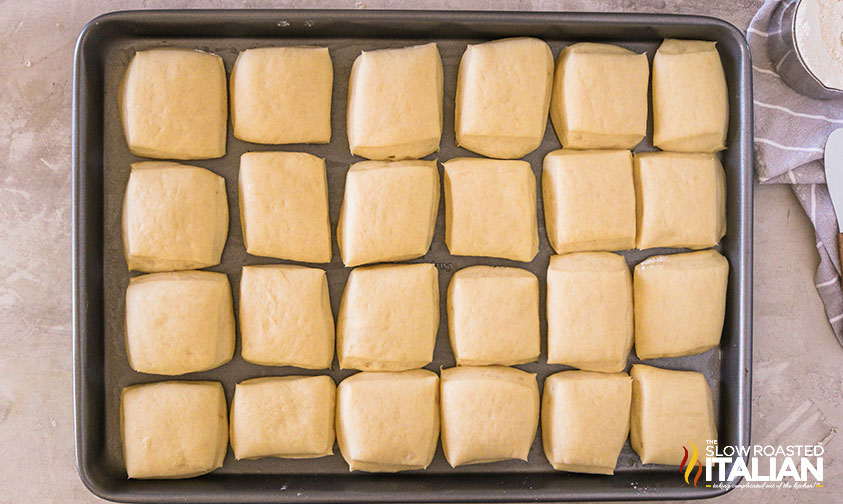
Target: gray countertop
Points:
(797, 363)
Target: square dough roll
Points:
(680, 303)
(503, 96)
(680, 200)
(589, 311)
(173, 104)
(490, 209)
(599, 98)
(175, 217)
(585, 420)
(395, 103)
(282, 95)
(690, 97)
(284, 206)
(489, 413)
(285, 316)
(670, 410)
(589, 200)
(493, 316)
(173, 429)
(388, 422)
(388, 211)
(389, 316)
(283, 416)
(179, 322)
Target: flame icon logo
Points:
(694, 459)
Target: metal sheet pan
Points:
(100, 171)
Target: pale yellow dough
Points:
(503, 96)
(175, 217)
(283, 416)
(173, 104)
(388, 211)
(589, 200)
(282, 95)
(284, 206)
(680, 199)
(490, 208)
(493, 316)
(599, 98)
(589, 311)
(690, 97)
(179, 322)
(388, 422)
(395, 103)
(585, 420)
(389, 316)
(285, 316)
(680, 303)
(175, 429)
(670, 410)
(489, 413)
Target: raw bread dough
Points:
(490, 208)
(489, 413)
(589, 200)
(282, 95)
(690, 98)
(395, 103)
(174, 429)
(388, 211)
(680, 200)
(175, 217)
(680, 303)
(585, 420)
(179, 322)
(670, 410)
(589, 311)
(285, 316)
(284, 206)
(173, 104)
(283, 416)
(493, 316)
(388, 422)
(389, 316)
(599, 98)
(503, 95)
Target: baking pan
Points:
(100, 171)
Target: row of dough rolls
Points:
(391, 421)
(389, 314)
(175, 217)
(174, 105)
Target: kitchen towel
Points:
(790, 135)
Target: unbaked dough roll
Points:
(585, 420)
(503, 95)
(179, 322)
(680, 303)
(388, 422)
(174, 429)
(489, 414)
(173, 104)
(283, 416)
(599, 97)
(690, 97)
(395, 103)
(175, 217)
(671, 410)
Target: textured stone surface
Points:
(798, 376)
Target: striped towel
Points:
(790, 135)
